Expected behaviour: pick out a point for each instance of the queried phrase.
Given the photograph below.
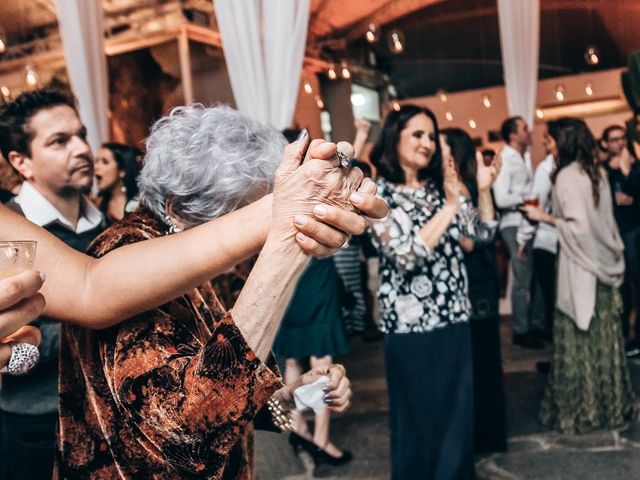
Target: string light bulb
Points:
(486, 101)
(448, 116)
(307, 87)
(31, 76)
(592, 56)
(5, 91)
(560, 93)
(373, 34)
(442, 96)
(346, 73)
(395, 41)
(472, 124)
(588, 89)
(539, 113)
(319, 102)
(331, 73)
(396, 106)
(3, 43)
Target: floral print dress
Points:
(422, 289)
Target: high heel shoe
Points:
(321, 456)
(299, 443)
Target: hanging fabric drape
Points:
(264, 43)
(520, 44)
(81, 29)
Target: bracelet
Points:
(280, 416)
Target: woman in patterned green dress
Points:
(589, 385)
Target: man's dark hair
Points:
(15, 134)
(509, 126)
(611, 128)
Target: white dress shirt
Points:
(546, 235)
(512, 185)
(37, 209)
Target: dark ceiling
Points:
(455, 45)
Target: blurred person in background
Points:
(510, 189)
(545, 238)
(116, 169)
(423, 298)
(624, 178)
(484, 292)
(589, 385)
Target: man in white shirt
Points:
(510, 189)
(43, 138)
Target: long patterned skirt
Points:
(589, 385)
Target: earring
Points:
(173, 228)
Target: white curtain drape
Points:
(520, 43)
(81, 29)
(264, 43)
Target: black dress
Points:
(313, 322)
(490, 434)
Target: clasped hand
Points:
(319, 203)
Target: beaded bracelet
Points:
(280, 415)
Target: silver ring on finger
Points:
(24, 357)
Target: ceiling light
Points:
(588, 89)
(373, 34)
(396, 106)
(448, 116)
(472, 124)
(442, 95)
(319, 102)
(395, 41)
(539, 113)
(307, 87)
(346, 74)
(31, 76)
(357, 99)
(486, 101)
(592, 56)
(331, 73)
(560, 93)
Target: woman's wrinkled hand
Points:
(319, 203)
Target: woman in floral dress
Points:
(423, 297)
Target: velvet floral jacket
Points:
(170, 393)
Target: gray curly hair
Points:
(206, 162)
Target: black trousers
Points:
(544, 265)
(430, 385)
(489, 402)
(28, 444)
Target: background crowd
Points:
(425, 279)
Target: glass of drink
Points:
(16, 256)
(533, 201)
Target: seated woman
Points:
(116, 169)
(172, 392)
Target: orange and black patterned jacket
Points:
(170, 393)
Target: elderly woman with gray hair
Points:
(173, 391)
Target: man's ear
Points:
(22, 164)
